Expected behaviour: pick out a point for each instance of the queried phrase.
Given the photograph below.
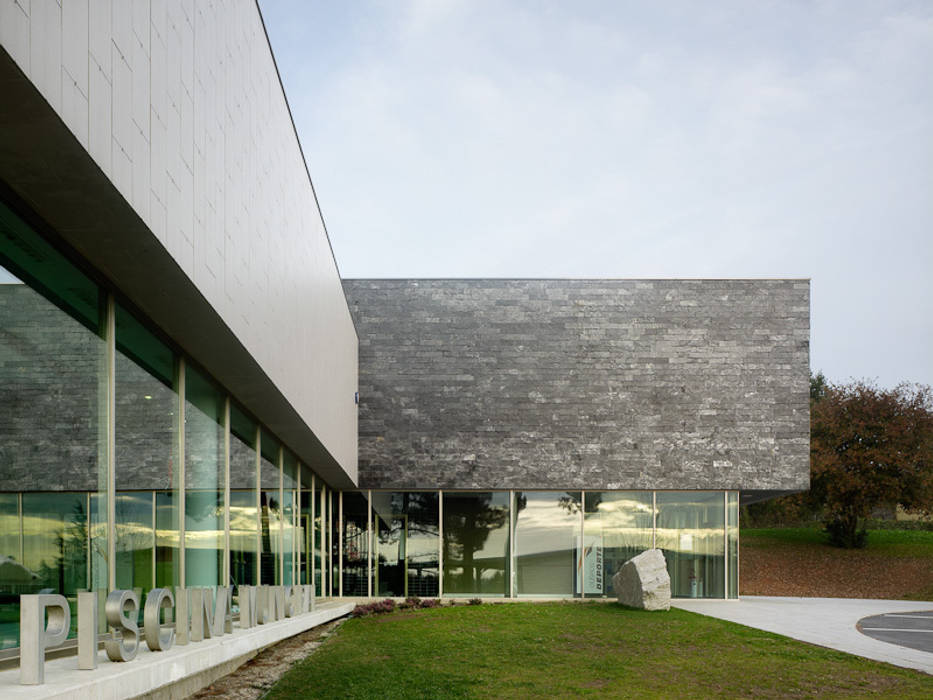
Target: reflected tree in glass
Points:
(476, 543)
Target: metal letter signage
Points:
(157, 638)
(248, 611)
(87, 631)
(198, 614)
(182, 615)
(121, 608)
(202, 614)
(223, 611)
(36, 636)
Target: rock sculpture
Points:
(643, 582)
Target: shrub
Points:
(385, 606)
(475, 601)
(431, 603)
(377, 607)
(362, 610)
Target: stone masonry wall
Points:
(615, 384)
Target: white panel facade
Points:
(180, 105)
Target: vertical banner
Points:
(590, 564)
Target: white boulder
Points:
(643, 582)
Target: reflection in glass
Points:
(53, 389)
(355, 543)
(270, 511)
(732, 532)
(135, 545)
(145, 418)
(306, 529)
(617, 526)
(406, 529)
(167, 544)
(204, 481)
(14, 577)
(691, 535)
(55, 537)
(333, 541)
(476, 543)
(547, 542)
(289, 514)
(244, 499)
(316, 538)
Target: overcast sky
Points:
(452, 138)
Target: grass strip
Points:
(521, 650)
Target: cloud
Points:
(635, 139)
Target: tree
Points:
(817, 386)
(869, 447)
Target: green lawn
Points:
(547, 650)
(894, 543)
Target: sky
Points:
(464, 138)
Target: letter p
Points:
(36, 636)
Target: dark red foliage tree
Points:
(870, 447)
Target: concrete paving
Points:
(827, 622)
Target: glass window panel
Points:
(167, 540)
(617, 526)
(55, 545)
(270, 510)
(691, 534)
(547, 542)
(305, 532)
(53, 387)
(15, 578)
(244, 497)
(406, 531)
(204, 481)
(333, 542)
(289, 513)
(320, 539)
(476, 543)
(30, 259)
(732, 531)
(146, 450)
(135, 543)
(355, 544)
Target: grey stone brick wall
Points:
(615, 384)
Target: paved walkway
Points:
(827, 622)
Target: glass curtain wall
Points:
(617, 525)
(405, 528)
(333, 541)
(547, 542)
(290, 540)
(205, 469)
(146, 459)
(691, 533)
(320, 540)
(732, 537)
(306, 527)
(476, 543)
(270, 506)
(244, 499)
(73, 360)
(559, 543)
(54, 390)
(355, 543)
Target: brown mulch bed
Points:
(822, 571)
(253, 679)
